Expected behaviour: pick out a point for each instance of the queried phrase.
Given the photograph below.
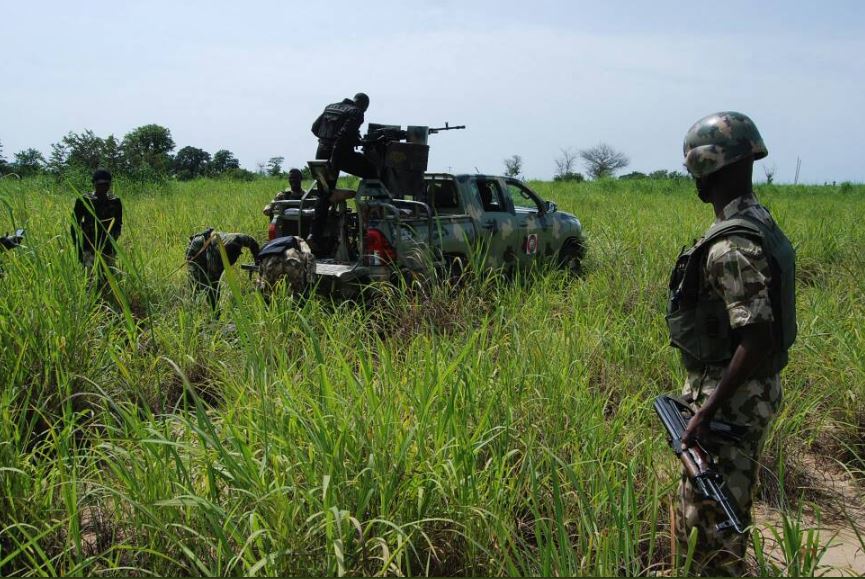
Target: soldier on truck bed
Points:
(338, 132)
(294, 191)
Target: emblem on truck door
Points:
(531, 244)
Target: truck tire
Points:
(455, 265)
(571, 256)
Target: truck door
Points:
(531, 221)
(497, 222)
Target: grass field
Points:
(502, 429)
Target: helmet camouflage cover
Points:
(721, 139)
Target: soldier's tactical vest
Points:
(328, 124)
(699, 323)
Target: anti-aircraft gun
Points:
(401, 156)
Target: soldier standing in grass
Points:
(294, 191)
(204, 259)
(732, 315)
(98, 222)
(338, 132)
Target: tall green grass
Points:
(502, 428)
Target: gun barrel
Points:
(447, 127)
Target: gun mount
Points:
(401, 156)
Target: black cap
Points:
(101, 176)
(361, 100)
(297, 172)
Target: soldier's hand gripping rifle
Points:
(12, 241)
(698, 463)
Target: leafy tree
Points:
(83, 150)
(603, 161)
(28, 162)
(191, 162)
(274, 166)
(148, 149)
(223, 160)
(112, 155)
(513, 166)
(305, 173)
(59, 158)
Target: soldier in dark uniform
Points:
(98, 221)
(294, 191)
(732, 315)
(205, 263)
(338, 132)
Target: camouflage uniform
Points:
(291, 261)
(98, 223)
(737, 270)
(205, 263)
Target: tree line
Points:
(144, 153)
(601, 162)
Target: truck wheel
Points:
(454, 267)
(571, 256)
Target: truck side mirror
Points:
(551, 207)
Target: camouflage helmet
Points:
(721, 139)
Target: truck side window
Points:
(491, 196)
(442, 195)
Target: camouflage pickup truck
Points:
(410, 221)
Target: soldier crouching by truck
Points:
(204, 260)
(285, 258)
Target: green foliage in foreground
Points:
(499, 429)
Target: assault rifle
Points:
(12, 241)
(698, 463)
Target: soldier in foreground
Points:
(294, 191)
(204, 260)
(98, 221)
(732, 315)
(338, 132)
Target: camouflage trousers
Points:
(754, 405)
(295, 266)
(205, 279)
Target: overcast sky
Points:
(527, 78)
